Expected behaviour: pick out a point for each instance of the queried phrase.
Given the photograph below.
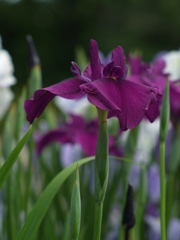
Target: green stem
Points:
(121, 232)
(131, 234)
(101, 171)
(163, 191)
(98, 220)
(169, 196)
(28, 183)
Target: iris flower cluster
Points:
(106, 87)
(130, 98)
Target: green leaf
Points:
(20, 114)
(75, 211)
(7, 166)
(165, 114)
(127, 160)
(36, 216)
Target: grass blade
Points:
(7, 166)
(37, 214)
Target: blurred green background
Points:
(60, 26)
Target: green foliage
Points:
(36, 216)
(7, 166)
(75, 213)
(165, 114)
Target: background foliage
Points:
(58, 27)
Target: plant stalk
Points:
(163, 191)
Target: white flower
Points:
(173, 232)
(6, 80)
(6, 96)
(79, 106)
(172, 60)
(147, 139)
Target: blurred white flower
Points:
(79, 106)
(6, 80)
(173, 232)
(147, 139)
(70, 153)
(172, 60)
(174, 229)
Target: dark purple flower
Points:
(150, 75)
(154, 76)
(106, 88)
(77, 131)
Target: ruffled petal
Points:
(69, 89)
(75, 123)
(137, 66)
(122, 98)
(95, 60)
(158, 66)
(119, 59)
(97, 94)
(153, 109)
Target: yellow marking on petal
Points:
(112, 78)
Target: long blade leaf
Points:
(7, 166)
(36, 216)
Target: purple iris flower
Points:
(77, 131)
(150, 75)
(106, 88)
(154, 76)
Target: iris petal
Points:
(122, 98)
(95, 60)
(119, 59)
(69, 89)
(56, 135)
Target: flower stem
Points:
(163, 190)
(131, 234)
(98, 220)
(101, 171)
(169, 196)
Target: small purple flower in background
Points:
(77, 131)
(156, 76)
(106, 88)
(150, 75)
